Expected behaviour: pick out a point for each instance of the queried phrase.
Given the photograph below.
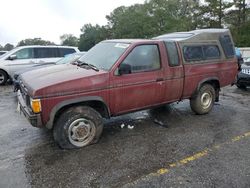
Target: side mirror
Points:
(124, 69)
(12, 57)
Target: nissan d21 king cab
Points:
(121, 76)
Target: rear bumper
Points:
(34, 119)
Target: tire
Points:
(3, 77)
(203, 101)
(78, 127)
(240, 86)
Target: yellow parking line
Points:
(190, 158)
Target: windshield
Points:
(104, 54)
(1, 53)
(69, 59)
(7, 54)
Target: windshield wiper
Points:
(82, 63)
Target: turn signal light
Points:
(36, 105)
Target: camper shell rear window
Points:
(227, 46)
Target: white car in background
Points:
(27, 56)
(2, 52)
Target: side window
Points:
(173, 57)
(143, 58)
(66, 51)
(26, 53)
(211, 52)
(227, 45)
(193, 53)
(45, 52)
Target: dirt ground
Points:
(164, 147)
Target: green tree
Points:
(242, 38)
(8, 47)
(211, 13)
(91, 35)
(34, 41)
(238, 15)
(238, 20)
(69, 40)
(152, 18)
(172, 15)
(131, 22)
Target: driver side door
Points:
(142, 86)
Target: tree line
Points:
(156, 17)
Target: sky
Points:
(49, 19)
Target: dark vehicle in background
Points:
(71, 58)
(122, 76)
(2, 52)
(243, 77)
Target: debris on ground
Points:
(140, 117)
(122, 125)
(130, 126)
(160, 123)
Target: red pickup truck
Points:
(121, 76)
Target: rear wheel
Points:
(203, 102)
(3, 77)
(78, 127)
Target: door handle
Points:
(159, 79)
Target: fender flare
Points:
(202, 82)
(63, 104)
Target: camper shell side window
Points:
(201, 52)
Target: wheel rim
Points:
(206, 100)
(81, 132)
(1, 78)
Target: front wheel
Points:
(78, 127)
(203, 102)
(3, 77)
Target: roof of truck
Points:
(199, 33)
(195, 35)
(129, 41)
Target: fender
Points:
(63, 104)
(203, 81)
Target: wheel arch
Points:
(96, 103)
(8, 76)
(214, 81)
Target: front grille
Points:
(246, 71)
(24, 93)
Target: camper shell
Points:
(212, 44)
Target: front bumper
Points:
(243, 79)
(34, 119)
(16, 85)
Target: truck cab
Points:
(126, 75)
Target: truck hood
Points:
(61, 80)
(38, 66)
